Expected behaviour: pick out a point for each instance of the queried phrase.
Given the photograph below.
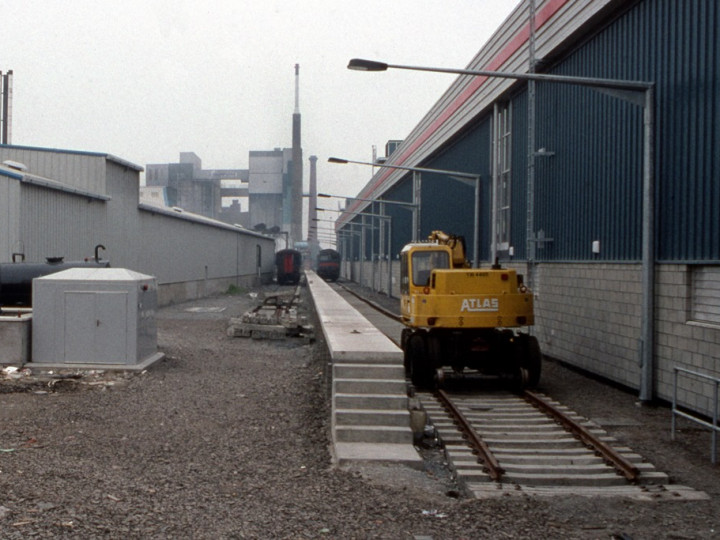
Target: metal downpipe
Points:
(647, 338)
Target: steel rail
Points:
(627, 469)
(491, 464)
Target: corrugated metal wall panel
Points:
(686, 65)
(9, 211)
(448, 204)
(518, 176)
(57, 224)
(123, 239)
(77, 169)
(590, 190)
(401, 216)
(205, 251)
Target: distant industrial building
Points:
(61, 203)
(190, 187)
(269, 188)
(261, 196)
(272, 186)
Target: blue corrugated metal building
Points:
(579, 196)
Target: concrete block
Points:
(370, 401)
(372, 417)
(369, 371)
(370, 386)
(374, 434)
(257, 331)
(345, 454)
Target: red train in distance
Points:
(328, 264)
(288, 266)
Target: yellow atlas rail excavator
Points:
(464, 317)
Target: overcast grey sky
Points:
(147, 79)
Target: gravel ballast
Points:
(228, 438)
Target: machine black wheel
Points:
(421, 373)
(520, 381)
(439, 378)
(534, 358)
(404, 336)
(529, 359)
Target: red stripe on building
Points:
(541, 17)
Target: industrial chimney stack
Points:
(312, 205)
(297, 167)
(6, 110)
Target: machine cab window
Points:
(424, 262)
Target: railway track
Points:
(500, 443)
(530, 444)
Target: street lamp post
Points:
(416, 187)
(414, 207)
(344, 237)
(406, 204)
(456, 175)
(641, 93)
(402, 204)
(389, 244)
(325, 237)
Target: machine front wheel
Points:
(421, 373)
(404, 337)
(529, 359)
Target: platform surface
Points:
(349, 335)
(370, 418)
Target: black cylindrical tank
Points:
(16, 277)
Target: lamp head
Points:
(358, 64)
(337, 160)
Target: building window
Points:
(503, 140)
(705, 294)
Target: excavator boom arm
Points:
(456, 245)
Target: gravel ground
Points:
(228, 438)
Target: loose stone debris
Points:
(276, 317)
(43, 381)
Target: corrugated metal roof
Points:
(48, 183)
(109, 157)
(184, 215)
